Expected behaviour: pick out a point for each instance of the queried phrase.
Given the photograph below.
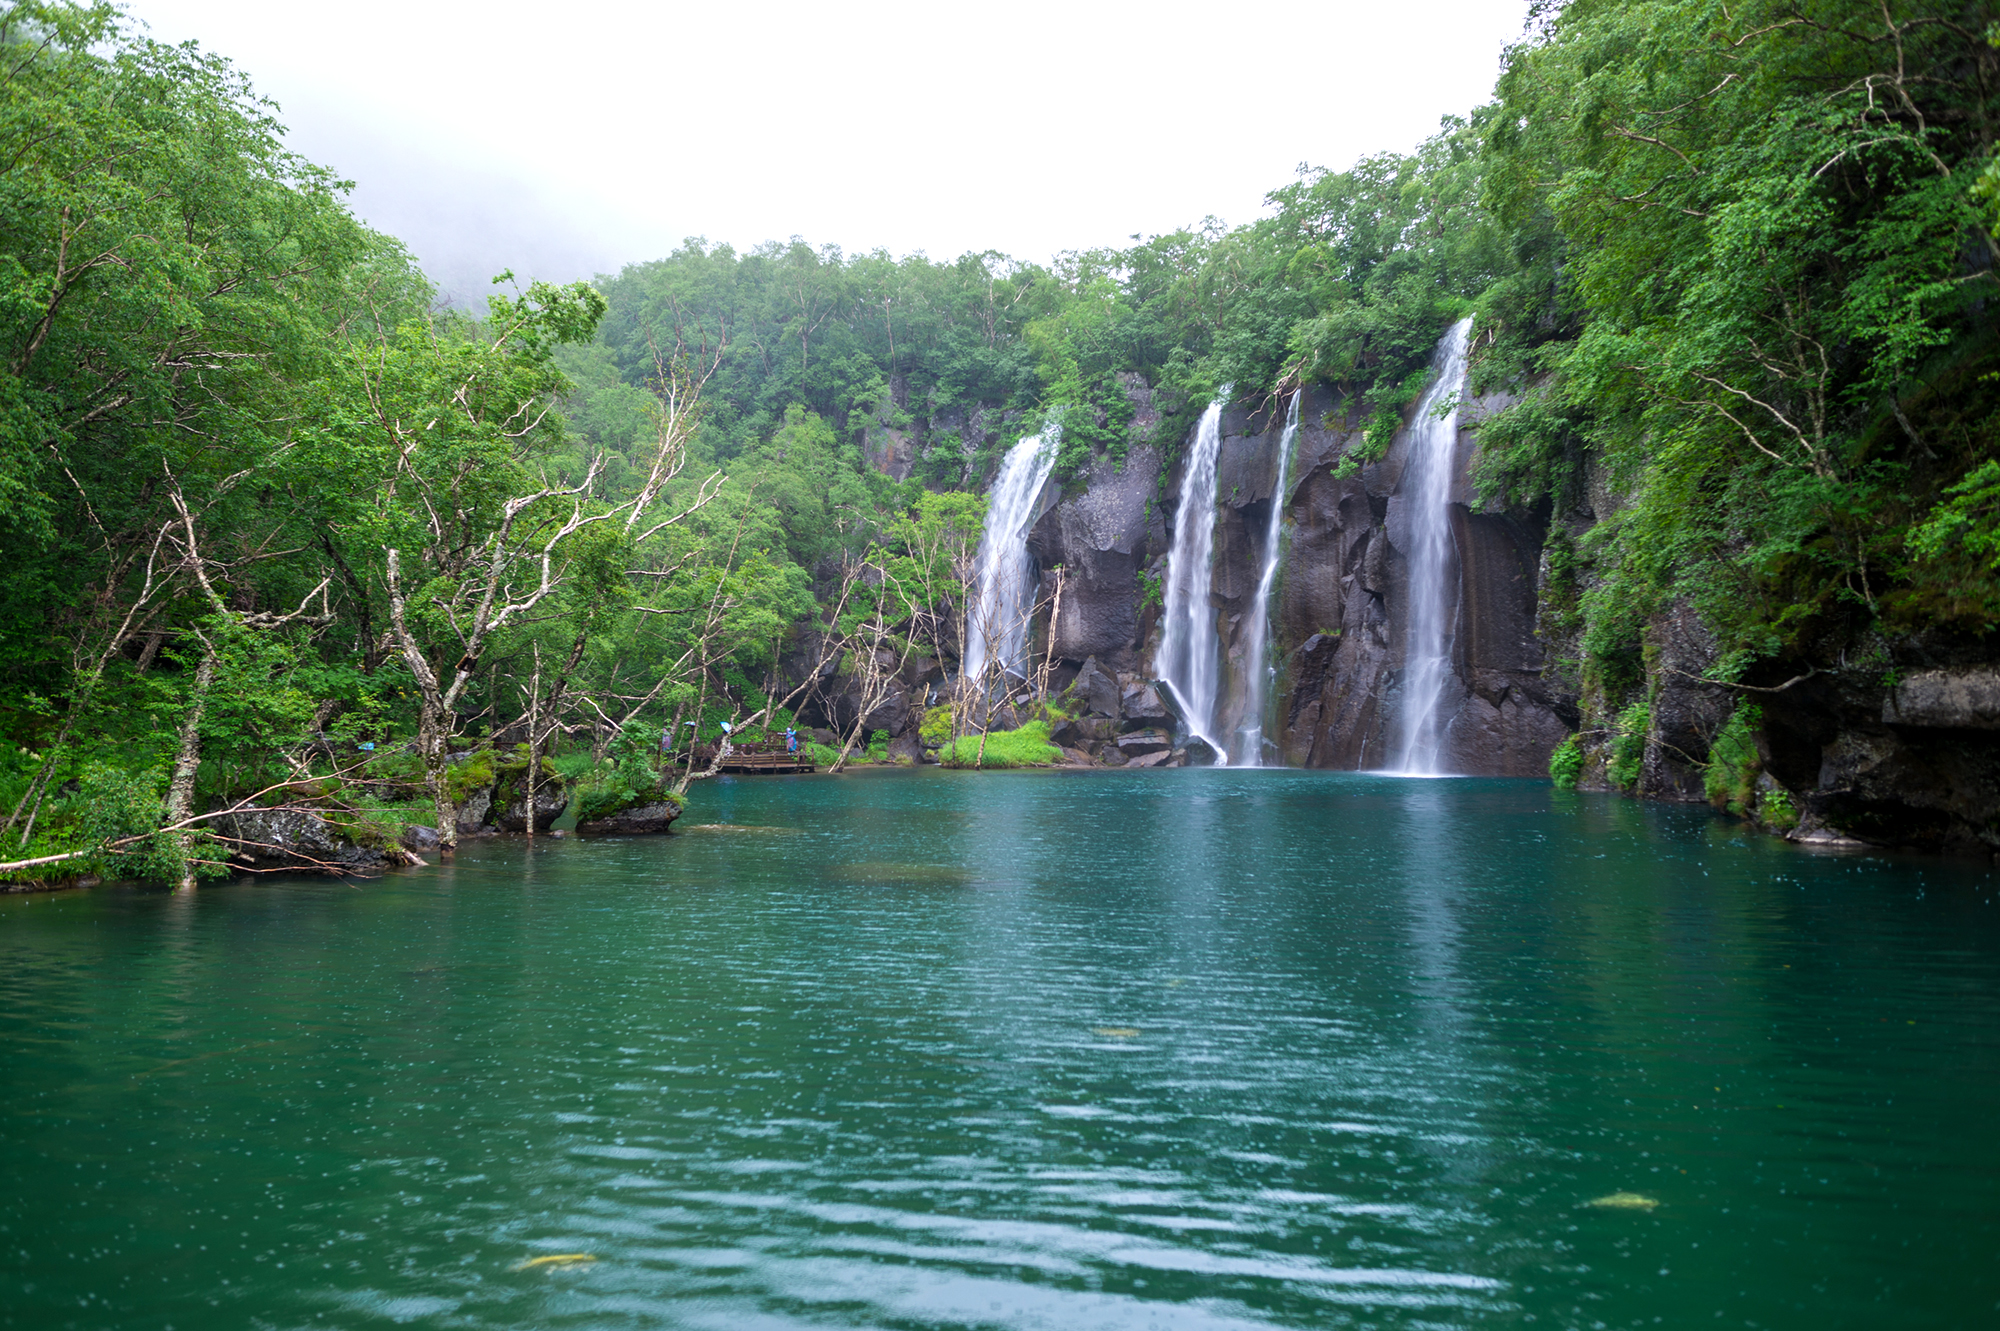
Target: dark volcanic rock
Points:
(1099, 533)
(1686, 713)
(1098, 690)
(1139, 701)
(1963, 699)
(1142, 742)
(1933, 784)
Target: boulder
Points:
(292, 838)
(1195, 753)
(1098, 690)
(1140, 701)
(639, 820)
(420, 839)
(1162, 758)
(1140, 743)
(1088, 730)
(472, 810)
(550, 801)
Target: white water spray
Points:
(1189, 662)
(1426, 494)
(1259, 672)
(997, 634)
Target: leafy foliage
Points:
(1029, 746)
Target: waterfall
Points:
(1257, 637)
(1189, 662)
(1426, 493)
(997, 634)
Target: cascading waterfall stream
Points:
(1189, 661)
(1426, 493)
(1258, 672)
(997, 634)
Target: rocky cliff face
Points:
(1340, 604)
(1901, 750)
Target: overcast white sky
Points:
(563, 141)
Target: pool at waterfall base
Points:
(1184, 1049)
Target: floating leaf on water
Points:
(554, 1259)
(1624, 1201)
(1116, 1032)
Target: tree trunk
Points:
(437, 774)
(187, 763)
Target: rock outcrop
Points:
(649, 819)
(550, 801)
(298, 839)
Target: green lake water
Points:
(1182, 1050)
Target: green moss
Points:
(1027, 747)
(1628, 745)
(935, 731)
(1566, 764)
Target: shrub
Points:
(1776, 810)
(1733, 764)
(606, 790)
(475, 773)
(1027, 747)
(822, 755)
(1566, 764)
(1628, 745)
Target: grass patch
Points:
(1027, 747)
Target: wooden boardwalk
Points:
(765, 760)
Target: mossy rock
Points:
(626, 813)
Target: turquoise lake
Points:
(1190, 1050)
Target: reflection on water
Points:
(1196, 1049)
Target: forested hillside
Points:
(274, 521)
